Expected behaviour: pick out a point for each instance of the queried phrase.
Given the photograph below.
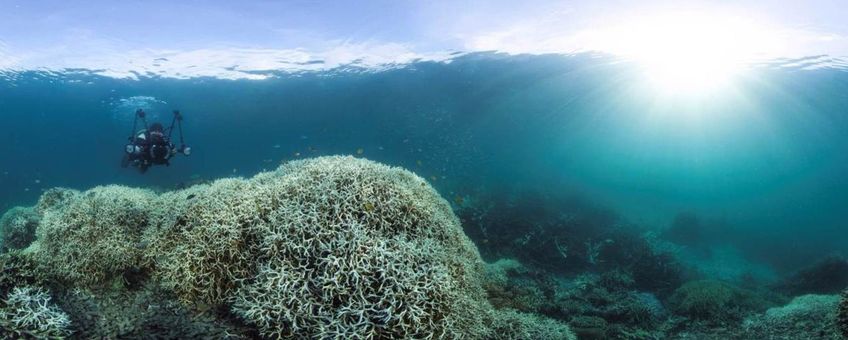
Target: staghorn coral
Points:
(55, 198)
(17, 228)
(509, 284)
(203, 239)
(17, 268)
(92, 236)
(842, 316)
(716, 301)
(805, 317)
(510, 324)
(28, 311)
(320, 248)
(359, 249)
(590, 327)
(149, 312)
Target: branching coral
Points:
(716, 301)
(203, 239)
(92, 236)
(30, 311)
(332, 247)
(148, 312)
(805, 317)
(510, 324)
(358, 249)
(17, 269)
(54, 199)
(17, 228)
(509, 284)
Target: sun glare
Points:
(690, 52)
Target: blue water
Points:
(768, 160)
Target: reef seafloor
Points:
(342, 247)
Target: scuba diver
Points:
(151, 145)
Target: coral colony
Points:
(332, 247)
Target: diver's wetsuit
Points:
(148, 148)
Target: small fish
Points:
(360, 151)
(380, 148)
(26, 189)
(190, 196)
(419, 162)
(277, 146)
(235, 170)
(368, 206)
(459, 200)
(38, 181)
(434, 178)
(297, 154)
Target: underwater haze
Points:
(602, 204)
(769, 159)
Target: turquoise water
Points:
(768, 157)
(762, 165)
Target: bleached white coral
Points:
(511, 324)
(202, 240)
(806, 316)
(320, 248)
(29, 310)
(358, 249)
(92, 236)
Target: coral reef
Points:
(716, 302)
(509, 284)
(202, 240)
(320, 248)
(17, 228)
(590, 327)
(596, 306)
(17, 269)
(28, 311)
(842, 316)
(358, 249)
(92, 236)
(149, 312)
(566, 235)
(805, 317)
(510, 324)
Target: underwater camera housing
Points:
(132, 149)
(185, 150)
